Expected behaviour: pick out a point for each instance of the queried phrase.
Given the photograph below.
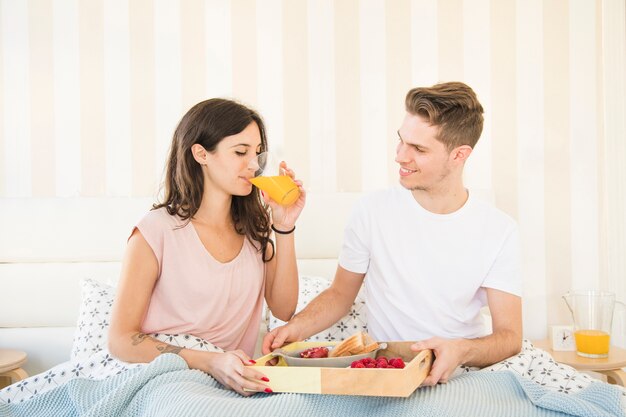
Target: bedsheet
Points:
(533, 366)
(166, 387)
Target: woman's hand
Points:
(232, 370)
(284, 217)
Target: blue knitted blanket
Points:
(166, 387)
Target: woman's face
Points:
(227, 167)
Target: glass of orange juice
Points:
(592, 343)
(592, 312)
(269, 177)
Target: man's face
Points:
(424, 161)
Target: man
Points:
(431, 254)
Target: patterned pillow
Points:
(354, 321)
(94, 317)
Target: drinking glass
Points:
(269, 177)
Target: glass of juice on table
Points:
(592, 312)
(270, 178)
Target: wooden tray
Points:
(348, 381)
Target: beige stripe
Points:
(614, 172)
(42, 101)
(398, 41)
(142, 97)
(556, 165)
(193, 51)
(91, 98)
(296, 104)
(600, 118)
(450, 35)
(244, 51)
(2, 144)
(583, 145)
(503, 120)
(347, 95)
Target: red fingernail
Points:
(263, 194)
(268, 390)
(266, 379)
(252, 361)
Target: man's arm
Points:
(504, 342)
(322, 312)
(506, 339)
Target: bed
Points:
(60, 257)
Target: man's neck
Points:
(444, 200)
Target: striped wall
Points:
(90, 92)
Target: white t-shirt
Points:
(426, 272)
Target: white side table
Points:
(611, 366)
(10, 365)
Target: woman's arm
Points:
(140, 270)
(281, 273)
(281, 285)
(127, 342)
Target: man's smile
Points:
(405, 171)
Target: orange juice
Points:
(280, 188)
(592, 343)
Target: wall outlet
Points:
(563, 338)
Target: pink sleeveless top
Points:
(196, 294)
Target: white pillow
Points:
(94, 317)
(354, 321)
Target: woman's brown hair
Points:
(207, 123)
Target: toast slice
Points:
(370, 344)
(356, 344)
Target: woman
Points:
(202, 261)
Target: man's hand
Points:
(279, 336)
(324, 310)
(449, 354)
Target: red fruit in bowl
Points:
(314, 352)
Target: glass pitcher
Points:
(592, 312)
